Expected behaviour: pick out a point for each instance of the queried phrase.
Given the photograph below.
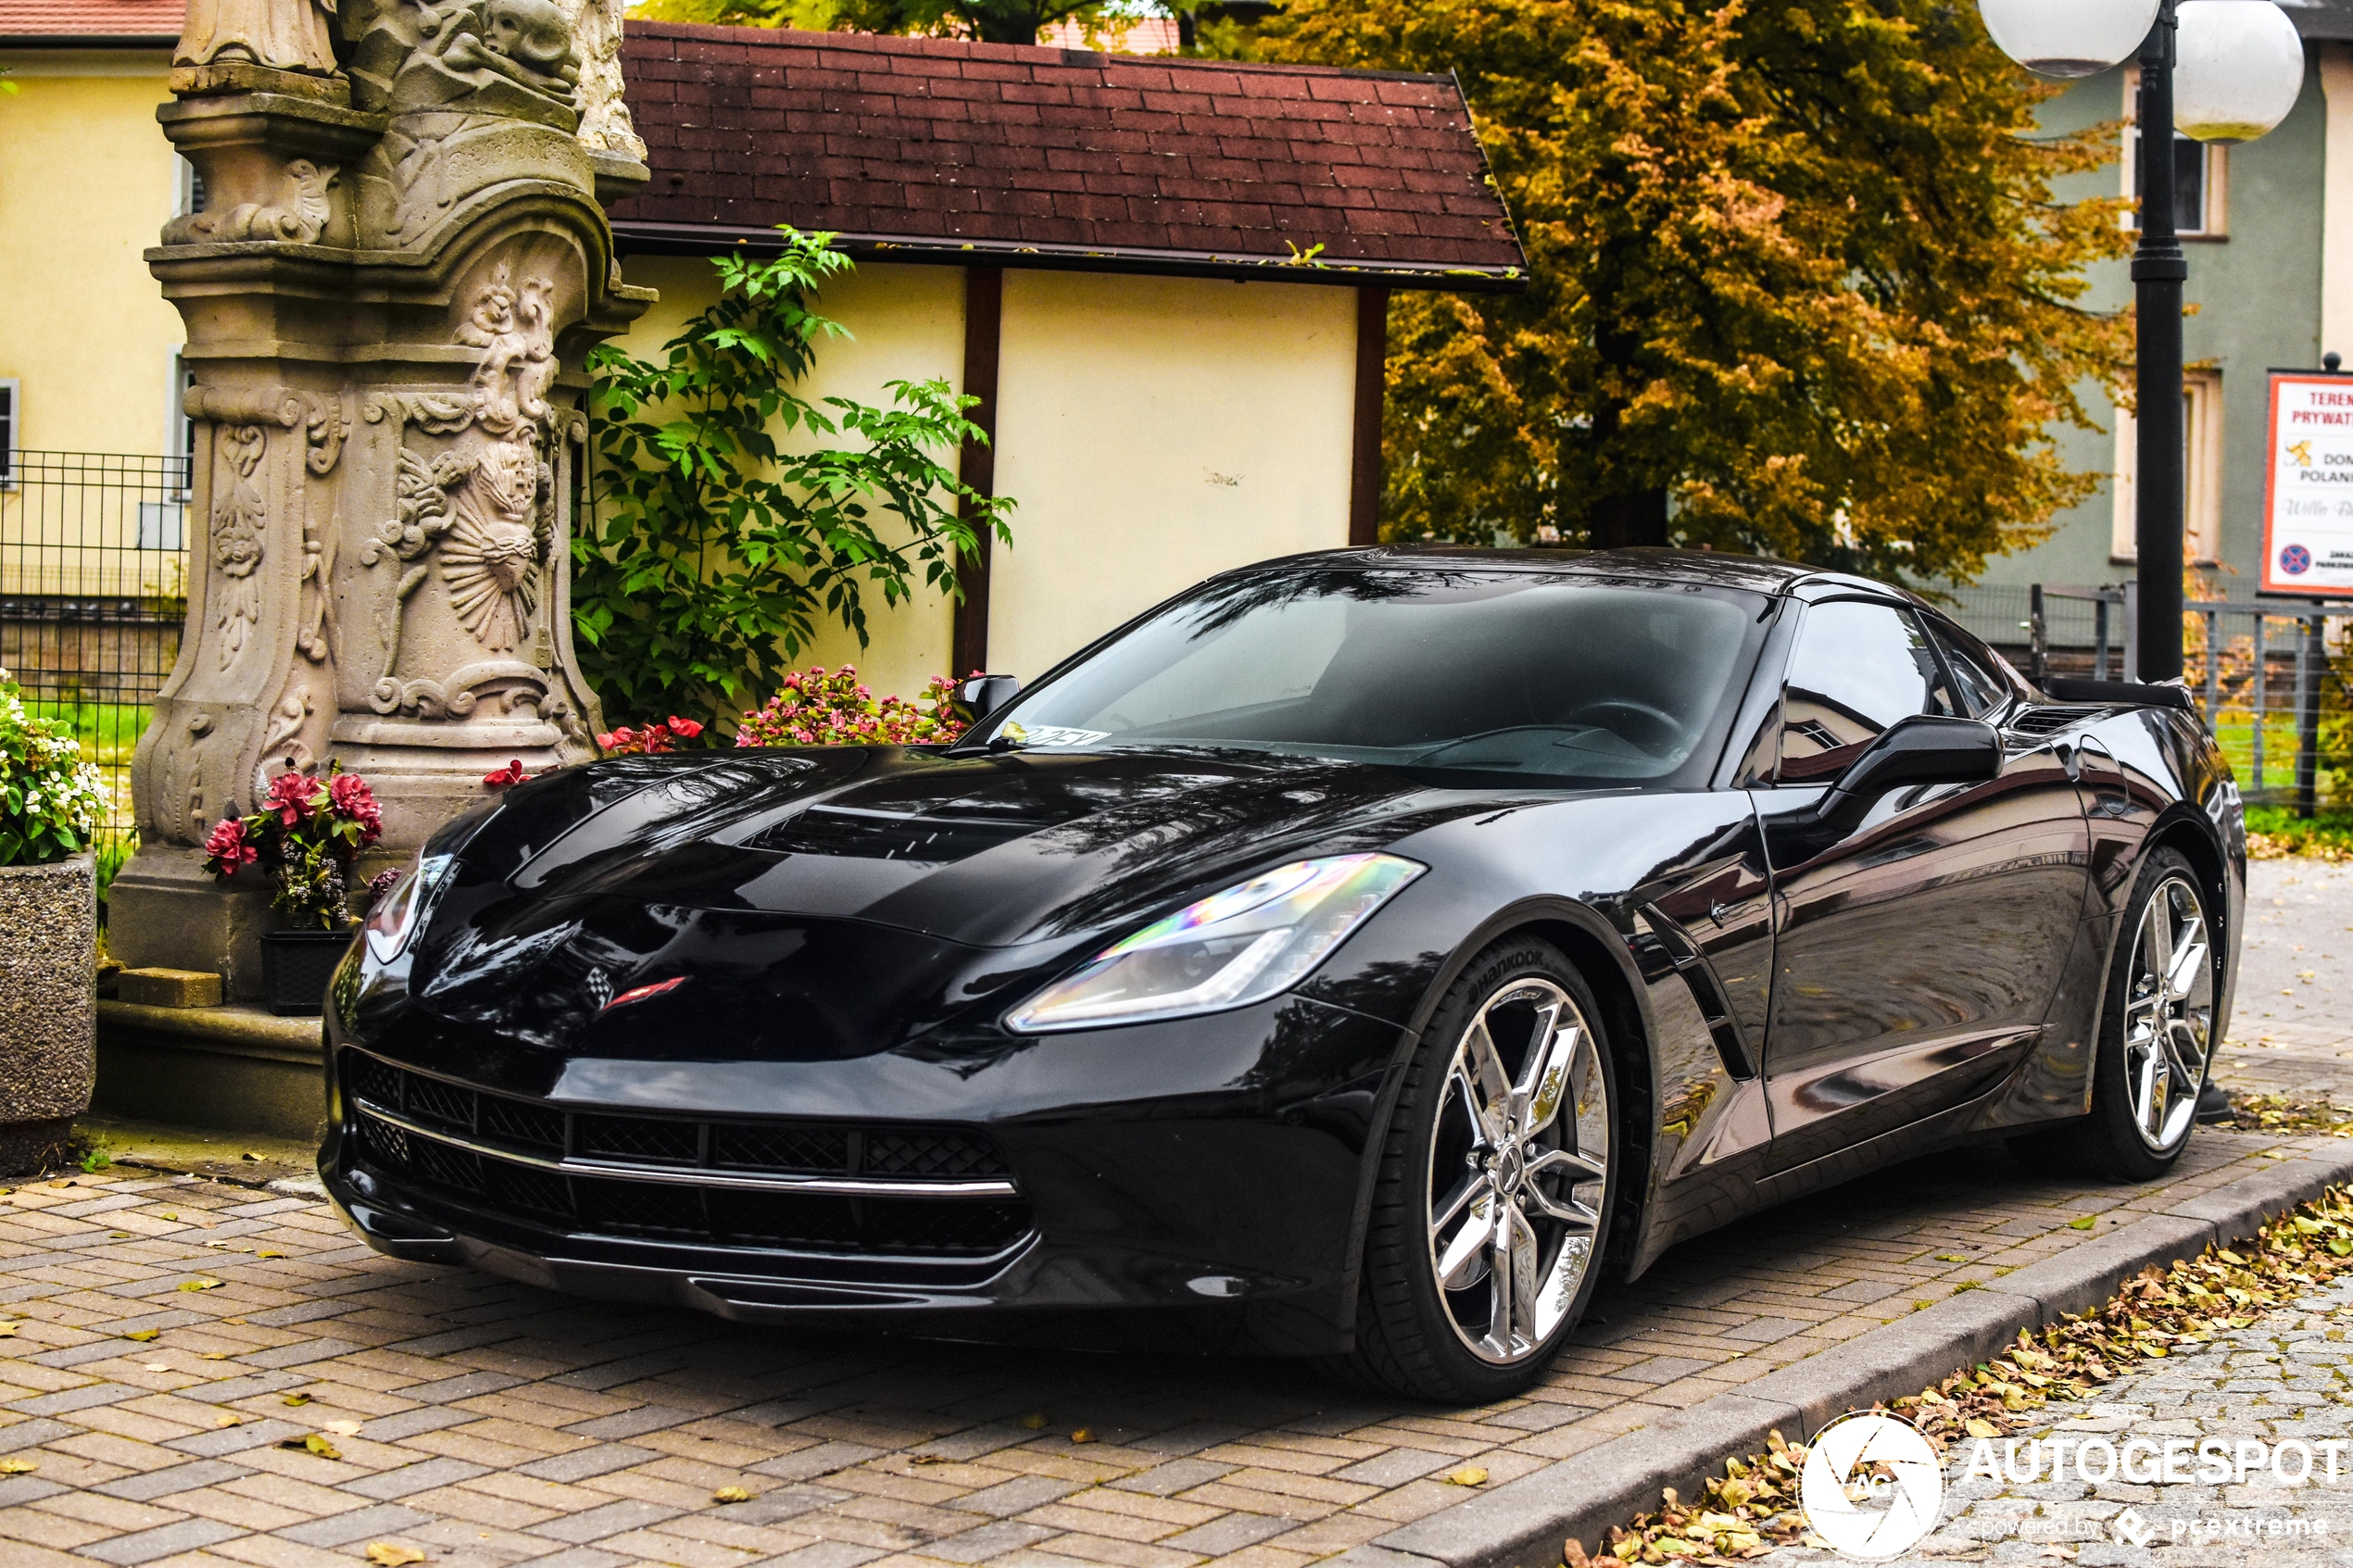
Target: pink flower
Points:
(684, 729)
(290, 795)
(227, 848)
(349, 797)
(511, 774)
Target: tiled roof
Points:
(144, 21)
(1045, 156)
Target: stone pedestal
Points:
(389, 294)
(48, 988)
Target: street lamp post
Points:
(2217, 70)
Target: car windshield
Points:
(1549, 675)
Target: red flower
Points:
(349, 797)
(227, 848)
(511, 774)
(684, 729)
(290, 795)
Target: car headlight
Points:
(397, 914)
(1254, 940)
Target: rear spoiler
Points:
(2123, 694)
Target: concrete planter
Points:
(48, 1006)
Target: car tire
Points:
(1529, 1121)
(2156, 1044)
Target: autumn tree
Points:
(1800, 284)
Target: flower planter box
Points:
(48, 1007)
(295, 968)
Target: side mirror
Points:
(983, 695)
(1923, 749)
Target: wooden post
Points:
(976, 465)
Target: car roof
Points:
(1759, 575)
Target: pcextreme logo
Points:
(1872, 1485)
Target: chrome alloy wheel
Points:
(2169, 1010)
(1518, 1164)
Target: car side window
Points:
(1857, 668)
(1981, 690)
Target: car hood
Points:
(851, 896)
(987, 851)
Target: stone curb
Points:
(1523, 1522)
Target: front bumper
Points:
(1197, 1183)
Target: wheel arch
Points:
(1598, 950)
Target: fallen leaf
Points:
(158, 1366)
(1977, 1427)
(269, 1254)
(929, 1458)
(2064, 1553)
(61, 1184)
(298, 1399)
(2086, 1223)
(1084, 1434)
(167, 1214)
(1032, 1421)
(314, 1444)
(117, 1236)
(143, 1334)
(199, 1285)
(343, 1429)
(18, 1467)
(7, 1330)
(212, 1355)
(1951, 1257)
(251, 1155)
(731, 1494)
(394, 1554)
(228, 1418)
(1468, 1476)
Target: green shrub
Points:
(51, 801)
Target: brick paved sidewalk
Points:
(495, 1423)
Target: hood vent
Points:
(853, 832)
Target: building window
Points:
(11, 427)
(188, 196)
(163, 525)
(2201, 177)
(2201, 472)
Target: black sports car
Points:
(1344, 958)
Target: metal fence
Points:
(94, 573)
(2273, 678)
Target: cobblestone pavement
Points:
(495, 1423)
(2292, 1030)
(2288, 1377)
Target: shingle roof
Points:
(940, 149)
(128, 22)
(109, 21)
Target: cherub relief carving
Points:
(515, 330)
(493, 57)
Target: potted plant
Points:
(309, 830)
(51, 804)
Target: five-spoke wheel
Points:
(2169, 1013)
(1496, 1184)
(1517, 1170)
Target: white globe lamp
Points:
(2239, 65)
(2069, 38)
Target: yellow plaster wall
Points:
(1155, 431)
(907, 323)
(86, 183)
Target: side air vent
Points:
(888, 836)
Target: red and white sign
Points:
(2308, 492)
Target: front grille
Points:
(686, 1211)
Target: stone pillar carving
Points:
(397, 272)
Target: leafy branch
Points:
(729, 512)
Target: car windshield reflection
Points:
(1557, 676)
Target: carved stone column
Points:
(398, 268)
